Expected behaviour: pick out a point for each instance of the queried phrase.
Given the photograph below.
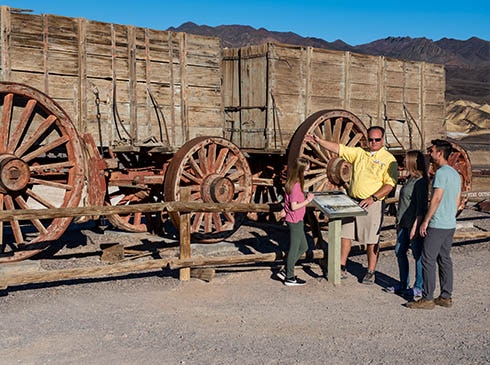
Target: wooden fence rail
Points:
(183, 263)
(94, 211)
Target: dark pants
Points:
(437, 250)
(297, 246)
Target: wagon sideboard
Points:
(161, 87)
(270, 89)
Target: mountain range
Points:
(467, 62)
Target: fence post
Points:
(185, 236)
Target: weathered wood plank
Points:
(183, 71)
(315, 79)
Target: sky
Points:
(355, 21)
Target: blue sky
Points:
(354, 22)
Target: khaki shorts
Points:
(364, 229)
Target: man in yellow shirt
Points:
(374, 175)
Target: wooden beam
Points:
(27, 214)
(81, 273)
(12, 279)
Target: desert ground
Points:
(244, 314)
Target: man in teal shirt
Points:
(438, 228)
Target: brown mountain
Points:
(467, 62)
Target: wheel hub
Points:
(14, 173)
(217, 189)
(339, 171)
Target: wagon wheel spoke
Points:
(46, 203)
(35, 136)
(213, 170)
(5, 123)
(46, 148)
(211, 158)
(17, 232)
(35, 222)
(34, 181)
(41, 167)
(22, 125)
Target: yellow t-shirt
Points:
(370, 170)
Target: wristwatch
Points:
(374, 198)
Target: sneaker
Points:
(417, 293)
(390, 289)
(395, 289)
(294, 282)
(444, 302)
(368, 278)
(343, 274)
(421, 304)
(281, 274)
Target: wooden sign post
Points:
(334, 243)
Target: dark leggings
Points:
(297, 246)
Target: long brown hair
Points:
(416, 164)
(296, 173)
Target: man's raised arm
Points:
(328, 145)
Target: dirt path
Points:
(248, 317)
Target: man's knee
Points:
(373, 248)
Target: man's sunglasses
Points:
(375, 139)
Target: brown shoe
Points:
(444, 302)
(421, 304)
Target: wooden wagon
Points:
(95, 113)
(275, 94)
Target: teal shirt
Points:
(447, 179)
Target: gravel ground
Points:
(246, 316)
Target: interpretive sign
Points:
(336, 204)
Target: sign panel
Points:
(336, 204)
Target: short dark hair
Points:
(443, 146)
(374, 127)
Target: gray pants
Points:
(437, 249)
(297, 246)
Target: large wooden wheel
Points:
(131, 222)
(460, 161)
(41, 167)
(327, 170)
(215, 171)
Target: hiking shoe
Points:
(421, 304)
(281, 274)
(294, 282)
(368, 278)
(417, 293)
(444, 302)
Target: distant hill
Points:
(467, 62)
